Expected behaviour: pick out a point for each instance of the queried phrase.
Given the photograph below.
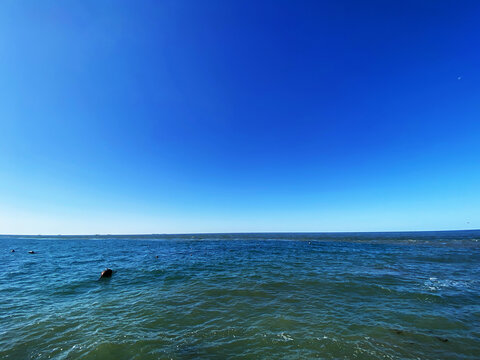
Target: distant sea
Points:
(408, 295)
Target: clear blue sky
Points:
(226, 116)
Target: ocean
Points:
(408, 295)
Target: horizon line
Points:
(250, 232)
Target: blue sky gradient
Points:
(232, 116)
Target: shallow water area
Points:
(249, 296)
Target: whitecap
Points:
(285, 337)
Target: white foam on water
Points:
(285, 337)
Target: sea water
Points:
(242, 296)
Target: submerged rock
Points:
(107, 273)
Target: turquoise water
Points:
(246, 296)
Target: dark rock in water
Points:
(399, 332)
(156, 257)
(31, 252)
(13, 250)
(107, 273)
(441, 339)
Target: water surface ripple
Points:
(246, 296)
